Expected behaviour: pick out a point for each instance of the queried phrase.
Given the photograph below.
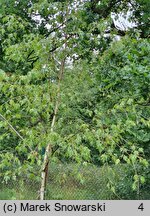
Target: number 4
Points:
(141, 207)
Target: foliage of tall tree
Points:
(93, 110)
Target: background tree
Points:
(103, 96)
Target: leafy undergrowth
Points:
(79, 182)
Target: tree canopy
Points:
(67, 82)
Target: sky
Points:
(123, 23)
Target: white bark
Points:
(44, 173)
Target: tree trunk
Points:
(44, 173)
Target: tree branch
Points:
(10, 125)
(101, 11)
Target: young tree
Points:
(94, 109)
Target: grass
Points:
(73, 182)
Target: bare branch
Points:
(10, 125)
